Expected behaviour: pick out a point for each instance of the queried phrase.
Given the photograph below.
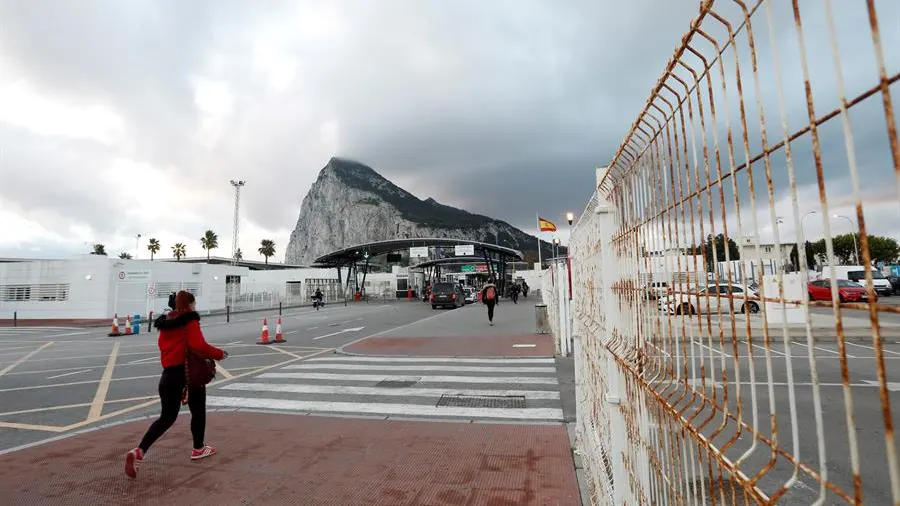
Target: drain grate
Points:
(391, 383)
(482, 401)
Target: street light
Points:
(853, 233)
(137, 242)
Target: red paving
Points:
(269, 459)
(468, 346)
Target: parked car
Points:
(848, 291)
(857, 273)
(895, 284)
(718, 296)
(657, 289)
(471, 294)
(447, 294)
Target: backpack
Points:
(490, 294)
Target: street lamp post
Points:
(853, 233)
(137, 245)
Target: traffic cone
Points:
(279, 336)
(128, 326)
(264, 337)
(115, 327)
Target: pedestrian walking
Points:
(489, 298)
(187, 361)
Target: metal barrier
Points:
(749, 392)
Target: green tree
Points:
(125, 256)
(99, 249)
(179, 251)
(209, 241)
(810, 256)
(238, 255)
(153, 247)
(883, 249)
(706, 249)
(267, 249)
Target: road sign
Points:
(134, 275)
(151, 290)
(463, 250)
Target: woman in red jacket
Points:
(178, 330)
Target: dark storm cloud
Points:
(504, 108)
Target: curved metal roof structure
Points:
(357, 253)
(449, 261)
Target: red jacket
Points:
(178, 331)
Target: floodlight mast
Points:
(237, 219)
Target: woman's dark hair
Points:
(172, 300)
(183, 301)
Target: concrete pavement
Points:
(300, 423)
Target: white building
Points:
(91, 287)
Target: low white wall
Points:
(96, 287)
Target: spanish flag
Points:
(546, 225)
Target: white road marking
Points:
(291, 332)
(71, 334)
(142, 360)
(821, 349)
(68, 374)
(312, 328)
(870, 348)
(356, 329)
(398, 392)
(524, 345)
(385, 409)
(233, 343)
(392, 367)
(424, 379)
(352, 358)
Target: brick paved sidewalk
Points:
(274, 459)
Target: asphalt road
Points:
(783, 389)
(57, 380)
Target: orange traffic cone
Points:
(279, 335)
(264, 337)
(128, 326)
(115, 327)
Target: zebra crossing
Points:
(476, 389)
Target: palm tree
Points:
(99, 249)
(267, 249)
(153, 247)
(125, 256)
(238, 255)
(209, 241)
(179, 251)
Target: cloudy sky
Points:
(119, 118)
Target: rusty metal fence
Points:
(772, 122)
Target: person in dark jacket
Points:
(178, 331)
(489, 295)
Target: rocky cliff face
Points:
(351, 204)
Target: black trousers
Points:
(490, 306)
(171, 385)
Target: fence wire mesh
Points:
(730, 348)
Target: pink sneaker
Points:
(133, 462)
(206, 451)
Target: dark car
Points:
(447, 294)
(895, 283)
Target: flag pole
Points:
(538, 219)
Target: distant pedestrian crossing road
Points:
(476, 389)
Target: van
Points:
(857, 273)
